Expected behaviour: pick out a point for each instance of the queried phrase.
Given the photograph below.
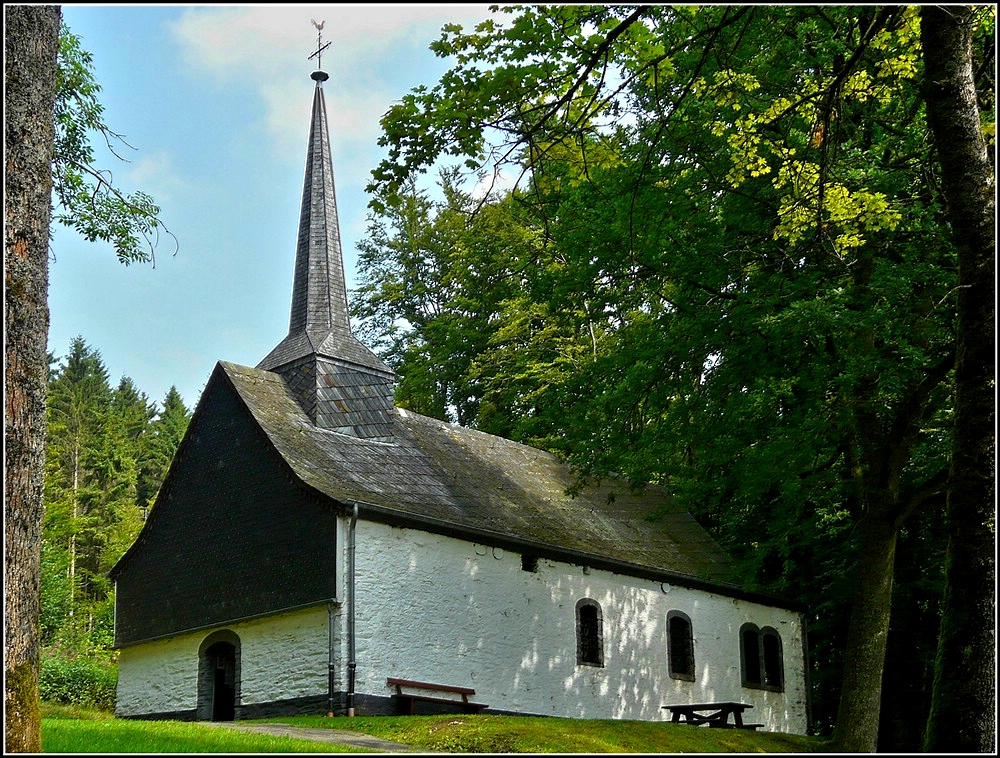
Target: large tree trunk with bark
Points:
(963, 704)
(856, 730)
(30, 53)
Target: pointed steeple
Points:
(339, 382)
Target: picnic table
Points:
(716, 715)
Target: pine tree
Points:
(79, 397)
(163, 436)
(96, 444)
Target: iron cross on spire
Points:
(320, 47)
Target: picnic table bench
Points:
(716, 715)
(407, 699)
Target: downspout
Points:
(330, 667)
(352, 663)
(804, 625)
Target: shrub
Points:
(78, 681)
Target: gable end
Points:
(232, 534)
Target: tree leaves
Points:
(86, 197)
(737, 279)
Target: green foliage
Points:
(735, 275)
(160, 438)
(78, 681)
(56, 594)
(86, 197)
(430, 292)
(88, 630)
(107, 451)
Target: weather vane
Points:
(320, 47)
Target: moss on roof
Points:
(442, 475)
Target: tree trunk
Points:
(963, 703)
(72, 536)
(856, 730)
(30, 53)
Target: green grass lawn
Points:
(78, 731)
(536, 734)
(75, 730)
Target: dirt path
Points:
(336, 736)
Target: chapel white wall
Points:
(158, 677)
(282, 657)
(449, 611)
(444, 610)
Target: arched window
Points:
(680, 646)
(589, 633)
(750, 655)
(761, 658)
(774, 670)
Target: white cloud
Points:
(155, 173)
(354, 114)
(270, 45)
(224, 39)
(493, 182)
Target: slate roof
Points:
(319, 322)
(453, 480)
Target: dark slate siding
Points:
(230, 537)
(342, 397)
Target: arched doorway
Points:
(219, 676)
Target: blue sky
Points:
(216, 101)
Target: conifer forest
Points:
(108, 448)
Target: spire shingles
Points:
(339, 382)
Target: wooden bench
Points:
(407, 699)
